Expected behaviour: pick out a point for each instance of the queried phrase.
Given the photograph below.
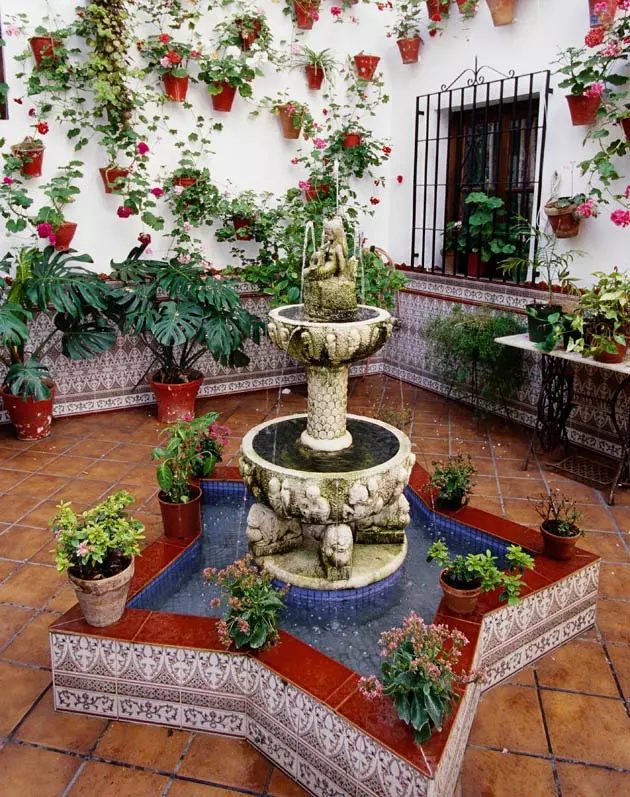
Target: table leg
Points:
(622, 476)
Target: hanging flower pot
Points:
(103, 600)
(176, 402)
(314, 76)
(185, 182)
(224, 99)
(459, 601)
(44, 47)
(601, 18)
(502, 11)
(181, 521)
(64, 235)
(175, 88)
(438, 7)
(242, 228)
(351, 140)
(31, 419)
(291, 120)
(316, 191)
(306, 12)
(110, 175)
(564, 222)
(410, 49)
(583, 109)
(31, 153)
(249, 30)
(366, 65)
(625, 124)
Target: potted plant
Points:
(584, 76)
(468, 8)
(564, 216)
(319, 65)
(181, 314)
(601, 12)
(253, 604)
(559, 528)
(356, 150)
(464, 578)
(40, 280)
(47, 48)
(305, 13)
(406, 29)
(502, 11)
(61, 191)
(420, 672)
(169, 59)
(240, 213)
(245, 29)
(192, 196)
(438, 7)
(294, 116)
(97, 548)
(211, 441)
(453, 481)
(366, 65)
(30, 153)
(224, 76)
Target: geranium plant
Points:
(253, 604)
(61, 190)
(408, 19)
(247, 29)
(360, 159)
(236, 72)
(165, 55)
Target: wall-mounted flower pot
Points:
(242, 228)
(316, 191)
(181, 521)
(248, 37)
(438, 7)
(64, 235)
(610, 358)
(502, 11)
(306, 11)
(537, 326)
(176, 402)
(185, 182)
(103, 600)
(290, 120)
(605, 18)
(366, 65)
(459, 601)
(44, 47)
(351, 140)
(564, 222)
(625, 124)
(32, 156)
(583, 110)
(409, 49)
(224, 99)
(175, 88)
(314, 76)
(474, 265)
(556, 547)
(31, 419)
(109, 176)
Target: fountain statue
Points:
(332, 511)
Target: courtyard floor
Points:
(560, 727)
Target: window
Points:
(471, 138)
(3, 86)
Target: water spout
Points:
(310, 227)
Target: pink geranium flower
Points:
(319, 143)
(621, 218)
(157, 191)
(44, 230)
(143, 148)
(595, 89)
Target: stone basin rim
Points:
(381, 315)
(404, 449)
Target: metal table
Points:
(555, 403)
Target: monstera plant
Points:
(36, 282)
(181, 313)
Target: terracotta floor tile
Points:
(57, 443)
(82, 490)
(141, 474)
(580, 666)
(140, 492)
(622, 517)
(486, 485)
(491, 504)
(571, 722)
(426, 430)
(50, 728)
(10, 477)
(514, 468)
(7, 567)
(184, 788)
(520, 511)
(614, 581)
(484, 466)
(19, 687)
(32, 461)
(147, 746)
(524, 677)
(431, 447)
(620, 657)
(576, 491)
(39, 486)
(596, 518)
(486, 773)
(104, 470)
(130, 453)
(20, 542)
(31, 585)
(605, 544)
(516, 450)
(509, 716)
(32, 646)
(281, 785)
(46, 554)
(64, 600)
(526, 486)
(40, 517)
(479, 448)
(68, 466)
(12, 618)
(581, 781)
(108, 780)
(13, 507)
(30, 772)
(232, 762)
(612, 621)
(95, 449)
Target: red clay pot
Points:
(110, 174)
(44, 47)
(366, 65)
(606, 357)
(564, 222)
(185, 182)
(556, 547)
(291, 121)
(32, 159)
(602, 20)
(181, 521)
(583, 110)
(502, 11)
(175, 88)
(438, 6)
(64, 235)
(409, 49)
(316, 192)
(474, 265)
(223, 101)
(31, 419)
(625, 123)
(351, 140)
(249, 37)
(314, 76)
(176, 402)
(305, 11)
(242, 228)
(459, 601)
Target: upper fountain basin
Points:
(331, 343)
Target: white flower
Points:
(232, 52)
(259, 59)
(286, 391)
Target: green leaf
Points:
(402, 707)
(164, 477)
(258, 636)
(434, 709)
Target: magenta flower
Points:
(586, 209)
(621, 218)
(7, 180)
(304, 185)
(52, 239)
(319, 143)
(595, 89)
(144, 238)
(44, 230)
(157, 191)
(124, 212)
(143, 148)
(627, 191)
(335, 11)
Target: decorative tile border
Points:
(298, 707)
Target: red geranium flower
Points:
(374, 200)
(173, 57)
(42, 128)
(399, 178)
(387, 150)
(164, 38)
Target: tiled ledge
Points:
(296, 705)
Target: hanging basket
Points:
(32, 156)
(316, 191)
(306, 12)
(583, 110)
(438, 7)
(502, 11)
(247, 36)
(242, 228)
(605, 18)
(564, 222)
(625, 124)
(109, 176)
(44, 47)
(351, 140)
(410, 49)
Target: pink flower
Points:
(12, 30)
(187, 226)
(195, 53)
(319, 143)
(623, 5)
(611, 50)
(83, 548)
(586, 209)
(294, 161)
(370, 687)
(335, 11)
(7, 180)
(314, 15)
(595, 89)
(52, 239)
(124, 212)
(183, 258)
(399, 178)
(144, 238)
(304, 185)
(178, 189)
(165, 62)
(215, 603)
(157, 191)
(627, 191)
(594, 37)
(44, 230)
(621, 218)
(143, 148)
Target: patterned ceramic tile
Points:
(213, 720)
(85, 702)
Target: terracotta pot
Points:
(109, 175)
(249, 37)
(556, 547)
(316, 192)
(175, 88)
(583, 110)
(44, 47)
(314, 76)
(438, 7)
(502, 11)
(351, 140)
(64, 235)
(625, 124)
(366, 65)
(607, 357)
(185, 182)
(409, 49)
(459, 601)
(564, 222)
(291, 121)
(103, 600)
(31, 157)
(31, 419)
(475, 267)
(223, 101)
(181, 521)
(242, 228)
(305, 12)
(176, 402)
(603, 20)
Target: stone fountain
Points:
(331, 511)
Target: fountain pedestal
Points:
(327, 402)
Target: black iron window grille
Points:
(478, 161)
(4, 110)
